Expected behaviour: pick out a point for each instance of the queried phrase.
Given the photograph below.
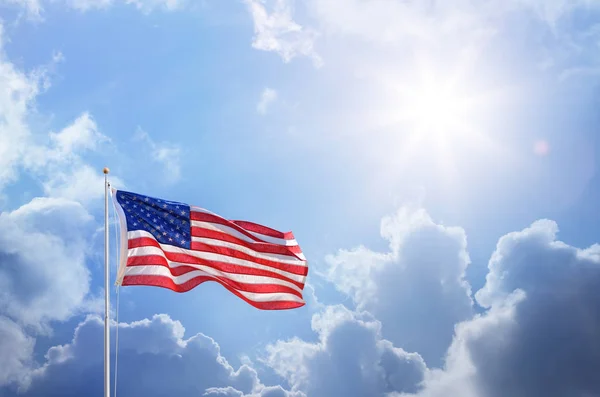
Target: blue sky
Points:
(437, 161)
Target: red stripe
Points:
(267, 231)
(144, 260)
(230, 252)
(165, 282)
(266, 248)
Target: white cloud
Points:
(17, 349)
(277, 31)
(267, 97)
(423, 273)
(17, 94)
(43, 275)
(168, 155)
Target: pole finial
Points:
(106, 170)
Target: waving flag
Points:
(177, 246)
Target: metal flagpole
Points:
(106, 291)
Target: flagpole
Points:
(106, 291)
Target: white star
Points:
(164, 233)
(182, 242)
(147, 199)
(182, 212)
(170, 239)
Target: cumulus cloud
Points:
(539, 336)
(154, 360)
(267, 97)
(277, 31)
(422, 273)
(43, 277)
(350, 358)
(16, 350)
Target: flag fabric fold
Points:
(178, 246)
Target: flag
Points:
(178, 246)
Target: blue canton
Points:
(167, 221)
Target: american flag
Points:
(177, 246)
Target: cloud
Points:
(166, 154)
(16, 350)
(422, 273)
(267, 97)
(35, 8)
(276, 31)
(44, 243)
(539, 335)
(60, 165)
(43, 274)
(350, 358)
(270, 391)
(154, 360)
(17, 94)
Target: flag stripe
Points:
(165, 282)
(264, 230)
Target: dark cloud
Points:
(417, 289)
(551, 345)
(540, 335)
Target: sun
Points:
(436, 110)
(433, 121)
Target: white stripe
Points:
(264, 237)
(164, 272)
(143, 251)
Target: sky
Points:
(436, 161)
